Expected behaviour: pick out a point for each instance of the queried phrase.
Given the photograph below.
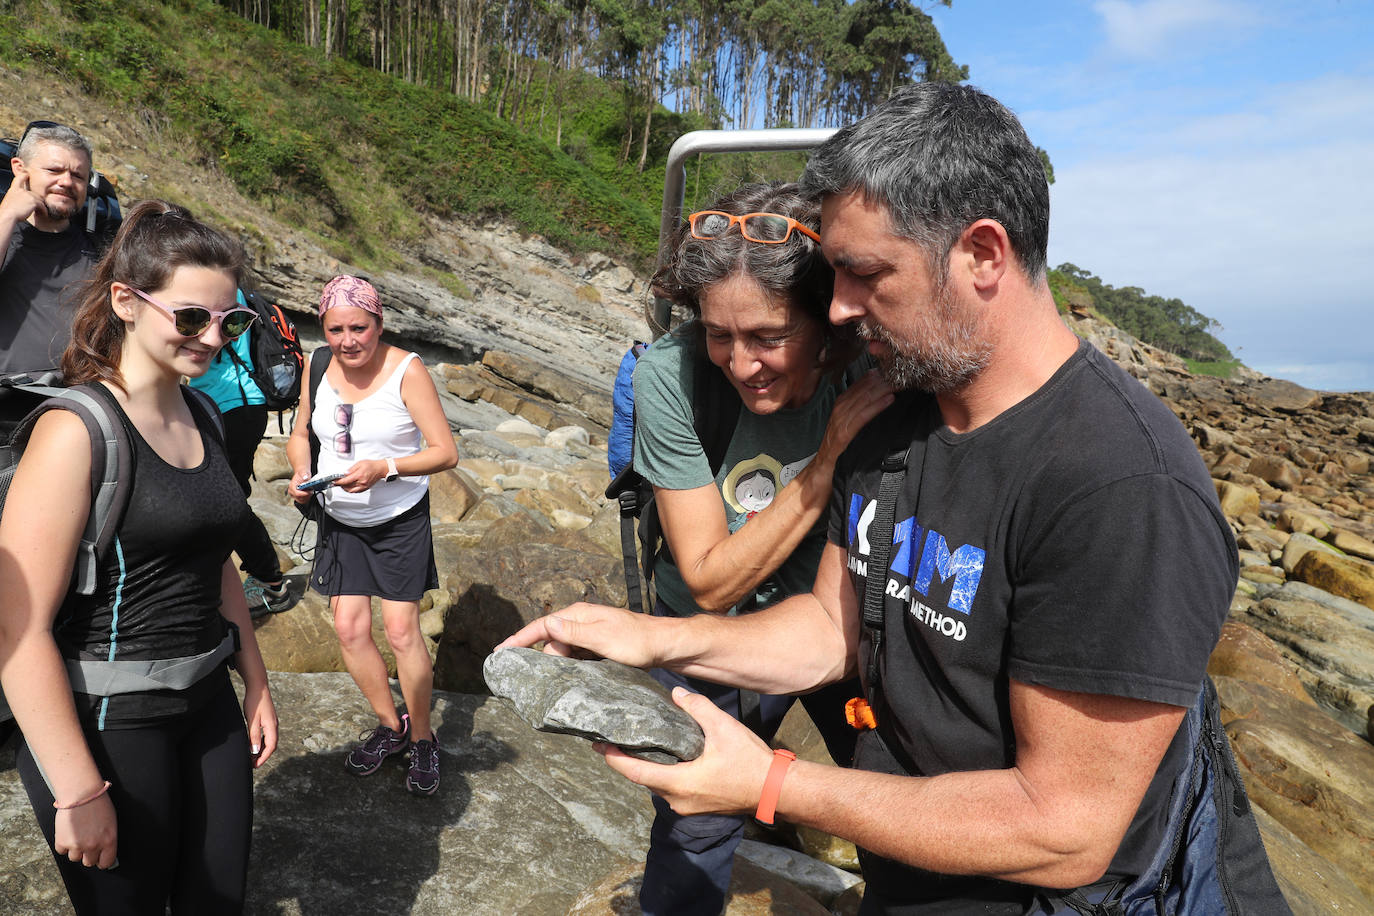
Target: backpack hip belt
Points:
(102, 678)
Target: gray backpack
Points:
(112, 460)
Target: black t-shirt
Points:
(38, 294)
(1073, 542)
(158, 590)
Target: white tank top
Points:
(381, 427)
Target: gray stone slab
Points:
(599, 700)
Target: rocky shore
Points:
(535, 824)
(522, 341)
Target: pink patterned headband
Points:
(350, 291)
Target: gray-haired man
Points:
(47, 252)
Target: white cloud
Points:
(1258, 219)
(1149, 29)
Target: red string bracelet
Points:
(85, 801)
(772, 786)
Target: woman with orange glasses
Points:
(746, 534)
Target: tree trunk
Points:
(650, 97)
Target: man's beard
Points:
(947, 354)
(60, 206)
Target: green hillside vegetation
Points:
(342, 151)
(1169, 324)
(358, 158)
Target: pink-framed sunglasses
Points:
(192, 320)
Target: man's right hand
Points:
(19, 203)
(593, 631)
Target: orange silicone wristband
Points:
(772, 786)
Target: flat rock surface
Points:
(523, 823)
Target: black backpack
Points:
(277, 355)
(100, 215)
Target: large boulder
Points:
(1345, 576)
(518, 571)
(1331, 642)
(540, 378)
(1307, 771)
(1311, 885)
(1284, 396)
(1245, 653)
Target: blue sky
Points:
(1217, 151)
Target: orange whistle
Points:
(859, 714)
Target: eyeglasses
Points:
(765, 228)
(192, 320)
(36, 125)
(343, 441)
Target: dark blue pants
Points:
(687, 870)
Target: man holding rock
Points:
(47, 251)
(1058, 570)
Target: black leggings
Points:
(243, 429)
(183, 797)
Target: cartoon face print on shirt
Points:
(750, 486)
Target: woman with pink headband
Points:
(381, 431)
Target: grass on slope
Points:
(342, 151)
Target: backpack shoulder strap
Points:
(111, 471)
(715, 409)
(319, 362)
(880, 532)
(635, 497)
(209, 411)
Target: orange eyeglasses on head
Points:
(764, 228)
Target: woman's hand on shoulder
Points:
(853, 410)
(88, 834)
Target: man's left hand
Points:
(726, 779)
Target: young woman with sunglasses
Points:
(146, 796)
(380, 425)
(750, 272)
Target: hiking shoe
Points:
(364, 759)
(423, 778)
(264, 599)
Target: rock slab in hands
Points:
(599, 700)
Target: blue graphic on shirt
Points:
(964, 565)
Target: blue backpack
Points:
(621, 439)
(715, 408)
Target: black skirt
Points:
(393, 560)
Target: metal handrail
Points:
(716, 141)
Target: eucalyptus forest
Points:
(730, 63)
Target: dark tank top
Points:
(158, 589)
